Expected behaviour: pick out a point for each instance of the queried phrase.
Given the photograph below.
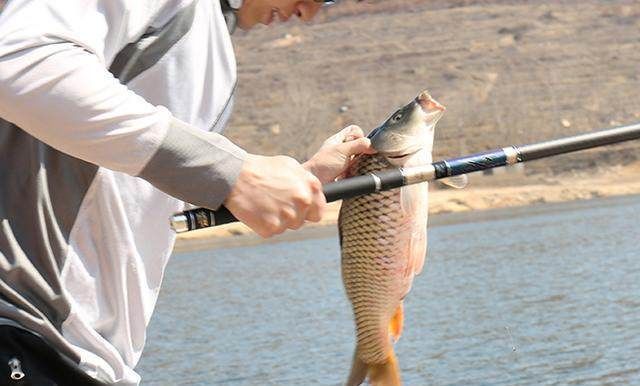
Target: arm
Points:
(62, 95)
(57, 88)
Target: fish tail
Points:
(396, 323)
(359, 370)
(387, 373)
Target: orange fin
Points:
(386, 374)
(396, 323)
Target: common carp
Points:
(383, 239)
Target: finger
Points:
(297, 217)
(338, 137)
(316, 210)
(303, 199)
(353, 131)
(358, 146)
(269, 226)
(349, 133)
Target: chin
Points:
(246, 20)
(244, 25)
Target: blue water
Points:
(543, 295)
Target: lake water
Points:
(543, 295)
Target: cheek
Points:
(417, 125)
(308, 9)
(253, 12)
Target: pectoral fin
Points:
(396, 323)
(457, 182)
(415, 206)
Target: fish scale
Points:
(373, 263)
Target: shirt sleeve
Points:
(54, 84)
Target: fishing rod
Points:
(394, 178)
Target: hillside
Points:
(509, 72)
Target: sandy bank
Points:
(482, 194)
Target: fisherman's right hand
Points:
(273, 194)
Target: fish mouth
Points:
(400, 156)
(432, 109)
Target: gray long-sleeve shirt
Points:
(104, 103)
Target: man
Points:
(111, 111)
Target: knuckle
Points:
(315, 184)
(288, 215)
(290, 161)
(315, 216)
(297, 224)
(263, 233)
(262, 230)
(276, 224)
(303, 195)
(271, 224)
(357, 130)
(279, 230)
(321, 208)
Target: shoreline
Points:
(479, 196)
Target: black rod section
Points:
(579, 142)
(394, 178)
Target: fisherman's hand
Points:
(273, 194)
(332, 159)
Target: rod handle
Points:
(199, 218)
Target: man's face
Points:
(253, 12)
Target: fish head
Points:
(408, 131)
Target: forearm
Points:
(196, 166)
(63, 95)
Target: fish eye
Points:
(396, 117)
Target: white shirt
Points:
(101, 274)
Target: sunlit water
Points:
(545, 295)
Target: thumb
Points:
(352, 132)
(357, 146)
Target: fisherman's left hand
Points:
(332, 159)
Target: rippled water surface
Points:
(545, 295)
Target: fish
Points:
(383, 239)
